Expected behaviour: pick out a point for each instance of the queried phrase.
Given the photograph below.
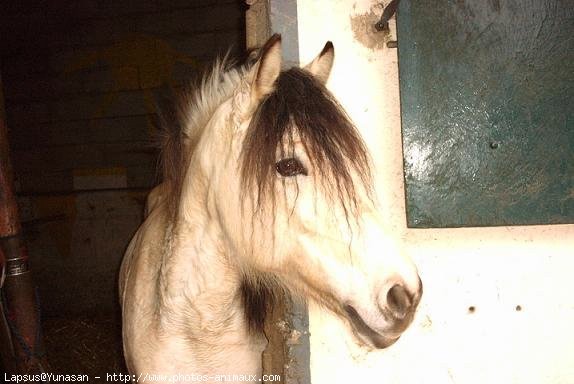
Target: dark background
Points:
(80, 81)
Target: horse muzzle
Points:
(396, 310)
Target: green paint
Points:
(487, 98)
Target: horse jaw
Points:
(364, 265)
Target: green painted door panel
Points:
(487, 99)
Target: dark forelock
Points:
(302, 106)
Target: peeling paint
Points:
(363, 26)
(294, 337)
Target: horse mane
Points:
(181, 130)
(182, 127)
(302, 107)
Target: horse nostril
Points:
(399, 301)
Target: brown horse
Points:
(267, 187)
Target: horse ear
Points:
(267, 68)
(321, 66)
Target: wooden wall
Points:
(81, 79)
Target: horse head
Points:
(288, 182)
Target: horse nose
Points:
(399, 301)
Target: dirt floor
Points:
(88, 345)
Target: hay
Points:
(84, 345)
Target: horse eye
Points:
(290, 167)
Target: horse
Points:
(267, 188)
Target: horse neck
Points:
(201, 301)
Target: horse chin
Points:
(366, 334)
